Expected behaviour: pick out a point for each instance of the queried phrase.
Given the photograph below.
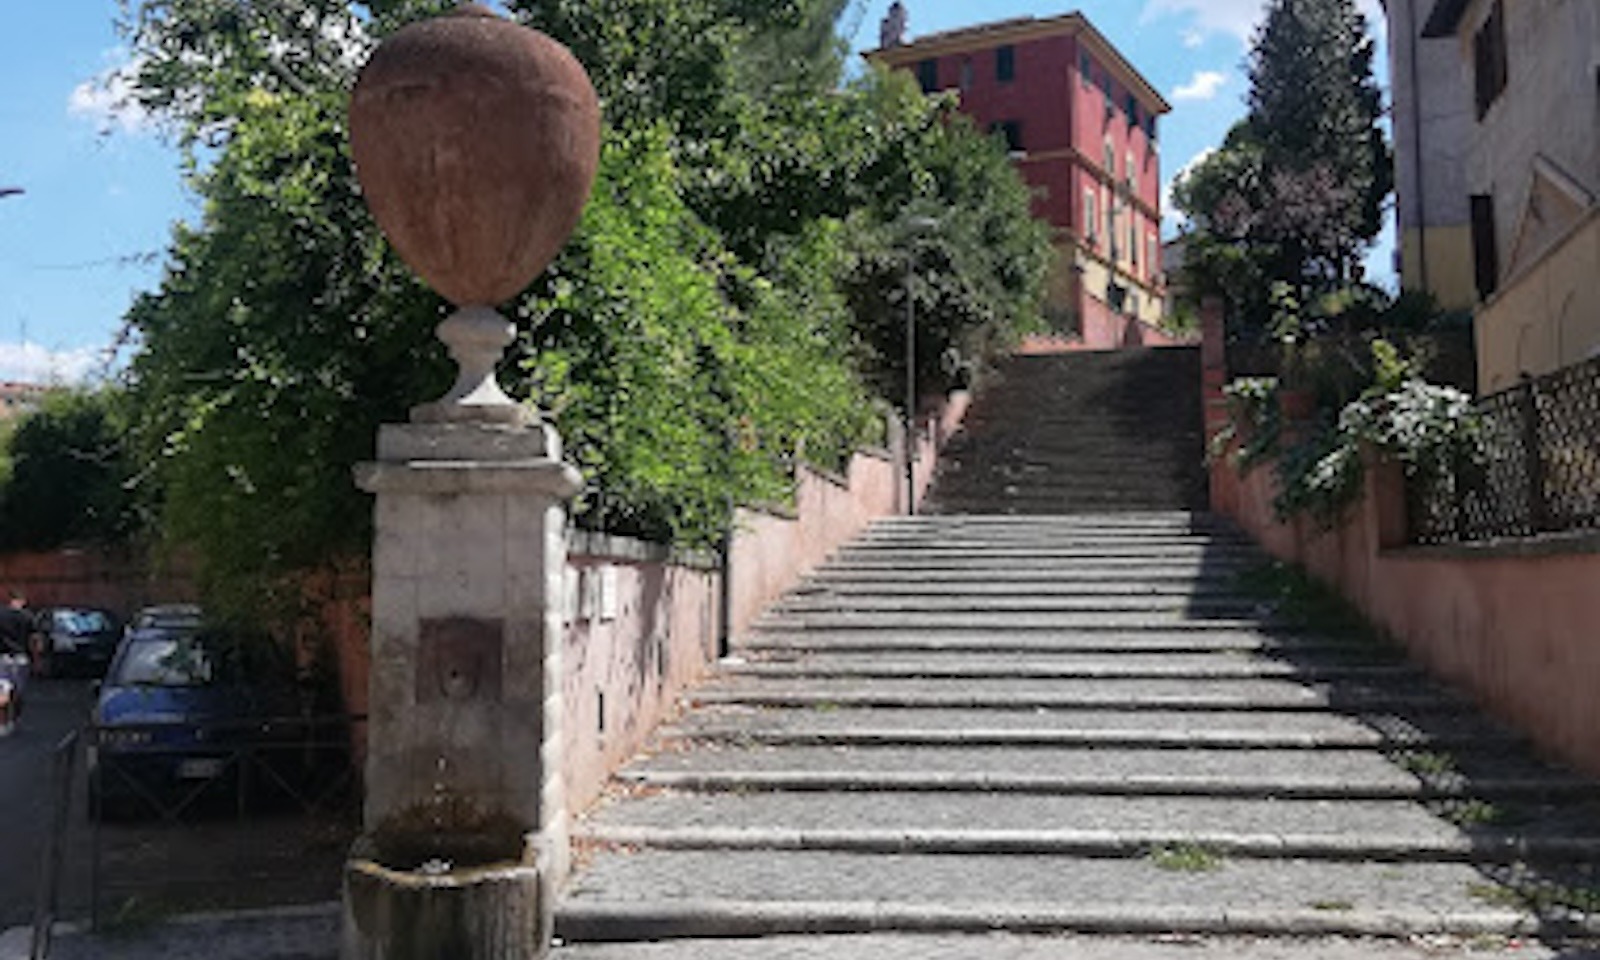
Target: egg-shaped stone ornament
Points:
(475, 141)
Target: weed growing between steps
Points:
(1303, 603)
(1185, 858)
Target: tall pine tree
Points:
(1296, 193)
(1315, 111)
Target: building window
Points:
(1086, 68)
(1133, 111)
(1150, 128)
(1012, 131)
(928, 75)
(1111, 159)
(1091, 218)
(1485, 255)
(1490, 67)
(966, 74)
(1005, 64)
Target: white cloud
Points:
(1237, 18)
(32, 363)
(1172, 219)
(1193, 39)
(106, 99)
(1203, 86)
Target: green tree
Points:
(1295, 194)
(710, 322)
(69, 474)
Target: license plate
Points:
(202, 769)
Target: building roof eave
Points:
(984, 36)
(1445, 18)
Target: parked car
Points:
(73, 640)
(166, 616)
(183, 712)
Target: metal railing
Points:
(1536, 469)
(196, 815)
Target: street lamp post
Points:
(919, 226)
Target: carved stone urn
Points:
(475, 141)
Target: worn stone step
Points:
(1545, 788)
(1062, 567)
(1185, 637)
(1001, 620)
(1069, 667)
(1224, 605)
(1079, 694)
(1172, 581)
(1356, 769)
(1151, 729)
(1147, 548)
(1159, 520)
(1095, 820)
(1483, 847)
(1159, 945)
(689, 892)
(975, 583)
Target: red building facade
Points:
(1083, 127)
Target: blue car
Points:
(183, 715)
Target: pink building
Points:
(1082, 126)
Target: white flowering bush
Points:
(1429, 428)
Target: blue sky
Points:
(103, 188)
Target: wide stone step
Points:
(692, 892)
(1213, 606)
(1002, 620)
(959, 945)
(1134, 522)
(1144, 549)
(976, 583)
(1353, 769)
(1098, 821)
(1078, 694)
(1186, 637)
(1165, 580)
(1484, 847)
(1087, 564)
(1070, 667)
(1150, 729)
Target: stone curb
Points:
(1484, 848)
(1407, 789)
(680, 919)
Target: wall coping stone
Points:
(1569, 543)
(594, 544)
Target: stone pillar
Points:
(464, 786)
(476, 142)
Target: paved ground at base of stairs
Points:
(310, 933)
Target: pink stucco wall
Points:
(631, 666)
(771, 552)
(1512, 624)
(627, 665)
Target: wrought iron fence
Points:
(1536, 468)
(197, 815)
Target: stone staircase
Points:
(1075, 724)
(972, 734)
(1080, 432)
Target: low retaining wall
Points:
(1513, 624)
(117, 580)
(771, 551)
